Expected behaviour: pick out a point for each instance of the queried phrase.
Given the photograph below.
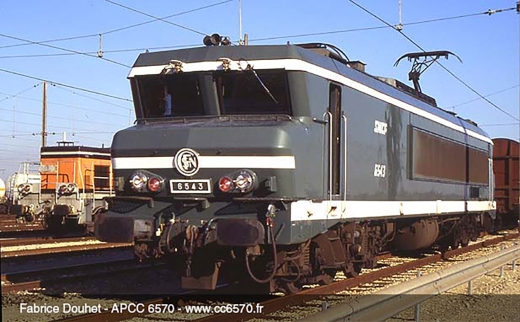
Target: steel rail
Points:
(21, 227)
(41, 240)
(74, 272)
(62, 249)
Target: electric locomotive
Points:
(281, 165)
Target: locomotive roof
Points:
(199, 54)
(295, 52)
(74, 151)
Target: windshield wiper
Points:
(262, 83)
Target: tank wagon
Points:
(22, 188)
(66, 188)
(4, 204)
(284, 164)
(507, 183)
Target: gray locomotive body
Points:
(284, 164)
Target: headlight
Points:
(245, 181)
(71, 188)
(25, 189)
(138, 181)
(62, 189)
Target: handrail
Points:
(345, 120)
(57, 180)
(329, 114)
(93, 184)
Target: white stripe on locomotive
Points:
(337, 209)
(208, 162)
(299, 65)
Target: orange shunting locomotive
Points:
(68, 185)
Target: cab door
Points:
(335, 140)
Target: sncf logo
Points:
(186, 162)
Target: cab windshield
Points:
(247, 92)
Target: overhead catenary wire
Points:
(104, 51)
(30, 148)
(65, 49)
(59, 117)
(120, 28)
(68, 105)
(158, 18)
(49, 40)
(15, 159)
(29, 134)
(19, 93)
(499, 124)
(477, 99)
(92, 98)
(250, 40)
(436, 61)
(39, 124)
(163, 18)
(18, 145)
(65, 85)
(85, 137)
(15, 154)
(382, 27)
(17, 151)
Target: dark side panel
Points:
(437, 158)
(422, 159)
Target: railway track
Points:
(24, 261)
(56, 251)
(10, 227)
(7, 219)
(41, 278)
(58, 248)
(13, 229)
(326, 295)
(41, 240)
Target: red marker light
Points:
(225, 184)
(154, 184)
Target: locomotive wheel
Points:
(72, 225)
(44, 223)
(55, 223)
(474, 236)
(353, 269)
(289, 287)
(443, 247)
(29, 217)
(454, 244)
(328, 277)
